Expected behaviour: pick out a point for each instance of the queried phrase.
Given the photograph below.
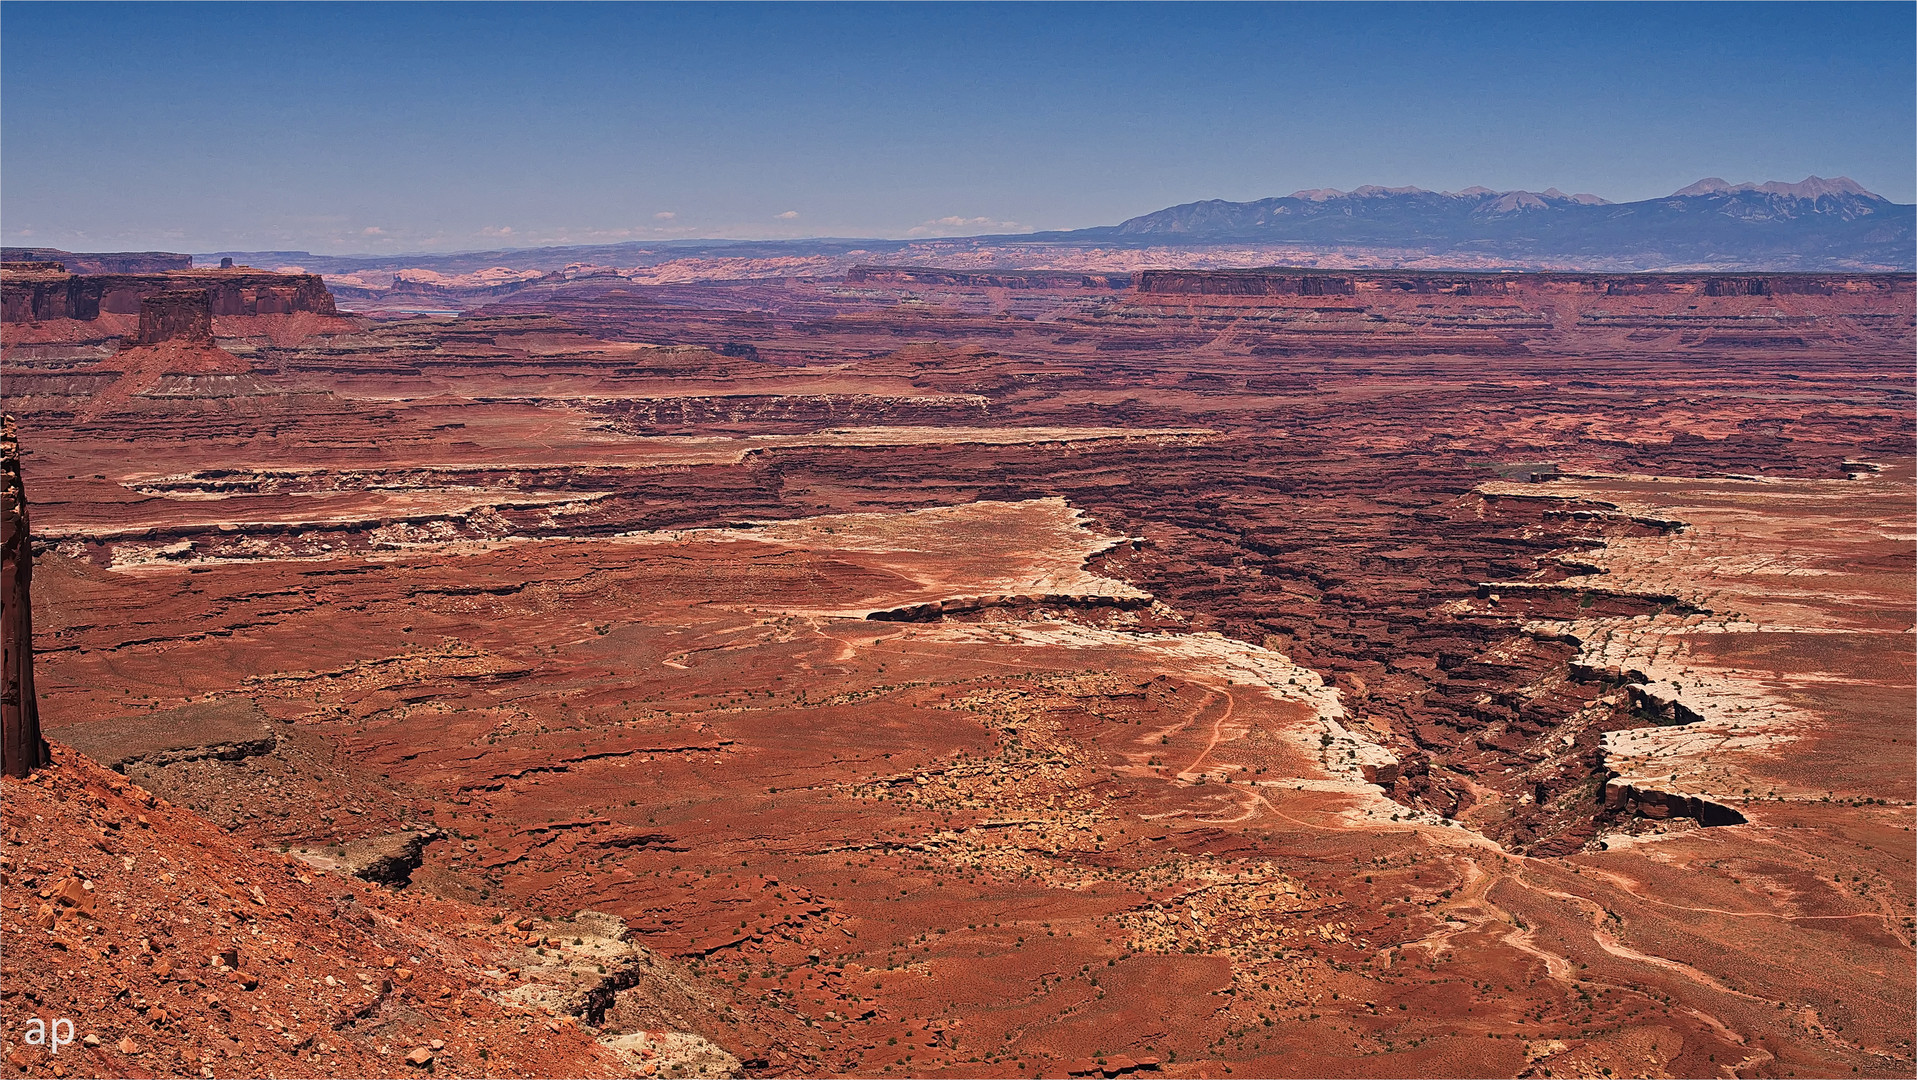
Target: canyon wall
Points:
(31, 296)
(996, 279)
(177, 315)
(1241, 283)
(1290, 312)
(1281, 281)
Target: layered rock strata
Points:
(983, 279)
(34, 296)
(176, 315)
(1294, 282)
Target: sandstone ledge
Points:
(229, 730)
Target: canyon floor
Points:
(930, 677)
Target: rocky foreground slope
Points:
(176, 950)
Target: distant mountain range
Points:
(1814, 225)
(1817, 224)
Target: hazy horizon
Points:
(387, 130)
(660, 242)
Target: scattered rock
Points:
(73, 893)
(674, 1054)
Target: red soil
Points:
(177, 948)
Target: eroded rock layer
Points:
(43, 302)
(41, 295)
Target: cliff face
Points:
(997, 279)
(1242, 283)
(1280, 281)
(36, 292)
(39, 295)
(177, 315)
(1293, 312)
(21, 747)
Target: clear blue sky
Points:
(369, 128)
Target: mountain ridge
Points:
(1814, 224)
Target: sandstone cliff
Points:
(32, 296)
(1242, 283)
(1291, 312)
(1286, 281)
(177, 315)
(997, 279)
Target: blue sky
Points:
(370, 128)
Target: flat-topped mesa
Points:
(1291, 281)
(177, 315)
(102, 262)
(1287, 311)
(39, 295)
(1243, 283)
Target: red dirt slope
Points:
(178, 951)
